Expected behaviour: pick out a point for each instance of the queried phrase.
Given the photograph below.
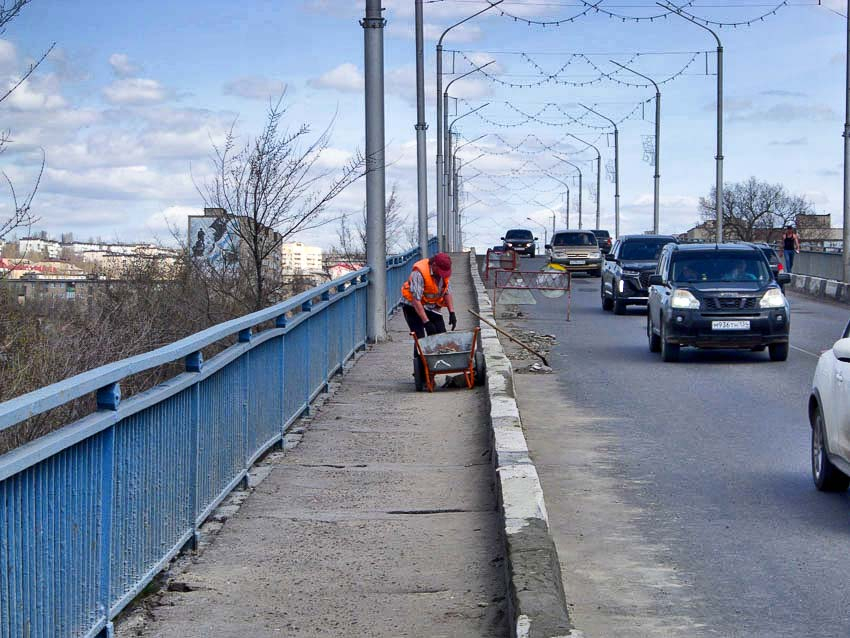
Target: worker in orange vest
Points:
(425, 293)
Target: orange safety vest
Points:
(432, 295)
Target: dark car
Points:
(603, 238)
(520, 240)
(626, 271)
(716, 296)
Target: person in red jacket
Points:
(425, 293)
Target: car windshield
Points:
(643, 250)
(771, 255)
(518, 234)
(574, 239)
(601, 234)
(719, 266)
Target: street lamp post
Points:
(447, 223)
(598, 173)
(440, 120)
(616, 169)
(545, 230)
(580, 187)
(657, 176)
(718, 188)
(421, 141)
(846, 243)
(566, 186)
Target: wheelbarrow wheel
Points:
(480, 369)
(418, 374)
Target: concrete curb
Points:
(537, 606)
(821, 288)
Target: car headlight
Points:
(773, 298)
(595, 256)
(631, 273)
(684, 300)
(509, 245)
(620, 286)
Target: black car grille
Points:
(730, 303)
(644, 277)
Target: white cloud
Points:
(346, 78)
(334, 158)
(8, 55)
(121, 65)
(173, 218)
(135, 91)
(34, 95)
(255, 87)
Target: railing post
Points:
(194, 363)
(326, 296)
(108, 398)
(245, 361)
(307, 306)
(280, 322)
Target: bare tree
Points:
(351, 232)
(21, 215)
(269, 189)
(755, 210)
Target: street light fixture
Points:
(598, 173)
(551, 210)
(440, 131)
(718, 188)
(567, 186)
(580, 188)
(449, 164)
(545, 230)
(657, 176)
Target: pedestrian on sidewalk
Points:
(425, 293)
(790, 247)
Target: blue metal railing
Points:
(90, 513)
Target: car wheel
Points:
(532, 254)
(669, 351)
(596, 273)
(654, 339)
(826, 476)
(418, 374)
(619, 306)
(607, 304)
(778, 351)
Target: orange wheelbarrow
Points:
(447, 353)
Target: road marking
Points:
(811, 354)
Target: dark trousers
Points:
(414, 322)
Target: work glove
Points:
(430, 328)
(453, 320)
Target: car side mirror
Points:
(841, 350)
(548, 247)
(656, 280)
(502, 238)
(609, 257)
(535, 239)
(783, 278)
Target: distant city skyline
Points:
(127, 106)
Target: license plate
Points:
(730, 325)
(576, 262)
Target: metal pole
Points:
(376, 241)
(580, 187)
(846, 246)
(616, 169)
(421, 142)
(450, 230)
(718, 187)
(598, 169)
(568, 206)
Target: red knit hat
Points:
(442, 265)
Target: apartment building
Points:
(300, 258)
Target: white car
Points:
(829, 415)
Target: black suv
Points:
(625, 274)
(520, 240)
(603, 238)
(716, 296)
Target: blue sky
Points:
(128, 104)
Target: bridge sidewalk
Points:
(382, 522)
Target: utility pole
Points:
(441, 117)
(376, 240)
(718, 188)
(421, 142)
(616, 169)
(580, 186)
(657, 176)
(598, 174)
(846, 244)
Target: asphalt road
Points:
(680, 495)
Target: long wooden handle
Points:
(510, 336)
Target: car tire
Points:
(778, 351)
(654, 339)
(532, 254)
(669, 351)
(596, 273)
(418, 374)
(619, 306)
(826, 476)
(607, 304)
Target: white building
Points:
(33, 248)
(296, 257)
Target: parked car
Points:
(603, 238)
(829, 416)
(520, 240)
(716, 296)
(576, 250)
(626, 271)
